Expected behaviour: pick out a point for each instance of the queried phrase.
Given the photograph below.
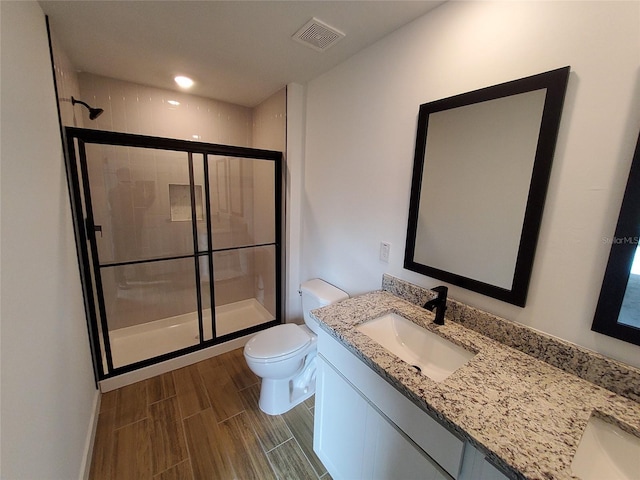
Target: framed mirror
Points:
(618, 311)
(480, 174)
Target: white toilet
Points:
(284, 356)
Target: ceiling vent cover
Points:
(318, 35)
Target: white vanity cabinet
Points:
(365, 429)
(475, 466)
(355, 441)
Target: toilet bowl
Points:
(284, 356)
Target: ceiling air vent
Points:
(318, 35)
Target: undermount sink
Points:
(427, 352)
(606, 451)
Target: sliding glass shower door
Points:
(181, 244)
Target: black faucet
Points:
(439, 303)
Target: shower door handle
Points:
(92, 228)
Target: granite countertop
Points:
(524, 414)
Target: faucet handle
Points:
(442, 291)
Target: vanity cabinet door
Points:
(476, 467)
(340, 424)
(397, 457)
(355, 441)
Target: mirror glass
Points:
(630, 309)
(618, 310)
(481, 169)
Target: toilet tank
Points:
(317, 293)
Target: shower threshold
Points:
(148, 340)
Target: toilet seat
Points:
(277, 343)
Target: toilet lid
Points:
(277, 341)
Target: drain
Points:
(417, 368)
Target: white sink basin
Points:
(606, 451)
(427, 352)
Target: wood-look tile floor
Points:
(202, 422)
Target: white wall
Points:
(48, 391)
(360, 134)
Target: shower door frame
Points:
(86, 243)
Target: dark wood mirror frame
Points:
(555, 82)
(623, 249)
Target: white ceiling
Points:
(237, 51)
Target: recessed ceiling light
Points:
(184, 82)
(175, 103)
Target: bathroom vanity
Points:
(367, 429)
(501, 414)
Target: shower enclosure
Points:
(179, 242)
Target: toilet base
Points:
(280, 396)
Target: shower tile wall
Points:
(138, 109)
(67, 84)
(269, 123)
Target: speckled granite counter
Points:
(526, 415)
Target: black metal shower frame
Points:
(85, 230)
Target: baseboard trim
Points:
(85, 467)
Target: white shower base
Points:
(148, 340)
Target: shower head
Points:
(93, 112)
